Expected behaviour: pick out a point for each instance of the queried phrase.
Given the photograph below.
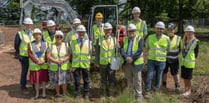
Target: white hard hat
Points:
(189, 28)
(37, 30)
(59, 32)
(80, 28)
(107, 26)
(131, 27)
(51, 23)
(28, 21)
(136, 10)
(160, 24)
(76, 21)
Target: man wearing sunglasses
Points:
(132, 53)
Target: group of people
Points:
(52, 58)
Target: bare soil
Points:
(10, 77)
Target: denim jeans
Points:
(157, 68)
(24, 64)
(85, 74)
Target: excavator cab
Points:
(110, 14)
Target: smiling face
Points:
(189, 34)
(59, 38)
(131, 33)
(108, 32)
(136, 15)
(159, 31)
(52, 29)
(81, 34)
(37, 36)
(28, 26)
(99, 20)
(170, 31)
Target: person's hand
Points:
(129, 60)
(72, 69)
(97, 65)
(40, 62)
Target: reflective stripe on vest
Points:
(140, 60)
(81, 56)
(107, 50)
(97, 32)
(47, 38)
(59, 55)
(189, 60)
(157, 48)
(139, 26)
(35, 67)
(174, 48)
(24, 43)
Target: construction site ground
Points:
(10, 76)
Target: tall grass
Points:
(202, 63)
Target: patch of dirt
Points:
(200, 90)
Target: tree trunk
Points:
(180, 19)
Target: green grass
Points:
(202, 59)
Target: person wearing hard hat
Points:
(157, 45)
(141, 26)
(133, 63)
(72, 35)
(22, 39)
(98, 28)
(81, 49)
(106, 50)
(172, 60)
(58, 56)
(189, 50)
(37, 63)
(48, 35)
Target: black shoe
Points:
(43, 97)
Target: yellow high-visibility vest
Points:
(81, 55)
(35, 67)
(25, 40)
(140, 60)
(174, 47)
(189, 60)
(63, 52)
(157, 48)
(139, 27)
(107, 50)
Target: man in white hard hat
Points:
(189, 50)
(81, 49)
(22, 39)
(141, 26)
(133, 63)
(72, 35)
(48, 35)
(157, 45)
(172, 60)
(106, 50)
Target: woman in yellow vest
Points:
(37, 63)
(132, 53)
(106, 50)
(58, 55)
(190, 49)
(81, 61)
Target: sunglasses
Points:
(59, 37)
